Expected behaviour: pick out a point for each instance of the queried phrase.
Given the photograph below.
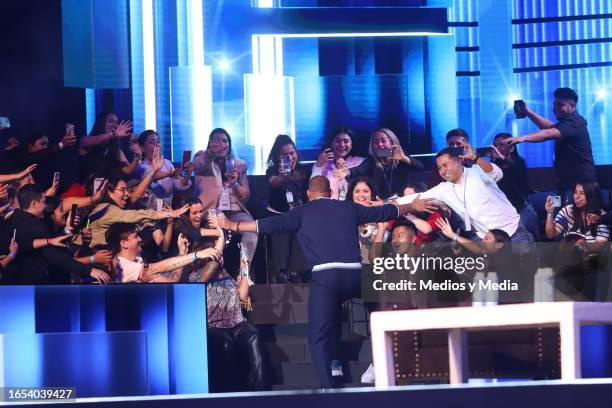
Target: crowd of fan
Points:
(133, 217)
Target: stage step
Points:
(279, 293)
(298, 351)
(279, 313)
(303, 374)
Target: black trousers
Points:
(231, 350)
(328, 290)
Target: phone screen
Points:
(520, 109)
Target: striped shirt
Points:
(564, 222)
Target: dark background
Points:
(32, 92)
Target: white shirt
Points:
(163, 188)
(476, 197)
(128, 271)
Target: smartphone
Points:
(69, 128)
(285, 164)
(520, 109)
(556, 201)
(159, 204)
(5, 123)
(56, 177)
(73, 214)
(97, 184)
(186, 157)
(229, 165)
(384, 153)
(484, 151)
(457, 151)
(14, 234)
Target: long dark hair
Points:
(592, 195)
(98, 128)
(274, 156)
(367, 182)
(229, 139)
(329, 139)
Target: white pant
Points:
(249, 239)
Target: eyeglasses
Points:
(123, 190)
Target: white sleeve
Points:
(316, 171)
(431, 193)
(496, 174)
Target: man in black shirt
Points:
(46, 264)
(573, 155)
(328, 232)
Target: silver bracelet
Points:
(92, 259)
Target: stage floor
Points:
(523, 394)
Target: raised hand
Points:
(26, 171)
(548, 205)
(157, 160)
(398, 153)
(124, 129)
(424, 205)
(341, 174)
(69, 138)
(325, 155)
(11, 143)
(180, 211)
(445, 227)
(183, 244)
(103, 257)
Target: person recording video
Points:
(573, 153)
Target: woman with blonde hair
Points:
(387, 165)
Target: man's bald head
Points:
(318, 187)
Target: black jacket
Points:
(387, 183)
(38, 266)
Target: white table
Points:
(569, 316)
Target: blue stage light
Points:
(224, 65)
(601, 94)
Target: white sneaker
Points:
(336, 368)
(368, 376)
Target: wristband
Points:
(550, 214)
(12, 255)
(476, 158)
(47, 239)
(238, 226)
(168, 214)
(92, 260)
(195, 257)
(455, 237)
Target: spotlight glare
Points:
(510, 100)
(601, 94)
(224, 65)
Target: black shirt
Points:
(48, 264)
(514, 182)
(388, 181)
(328, 229)
(573, 154)
(296, 183)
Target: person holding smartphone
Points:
(288, 181)
(221, 182)
(514, 182)
(337, 154)
(582, 217)
(387, 165)
(167, 180)
(573, 153)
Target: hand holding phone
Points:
(56, 178)
(520, 109)
(556, 201)
(73, 214)
(384, 153)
